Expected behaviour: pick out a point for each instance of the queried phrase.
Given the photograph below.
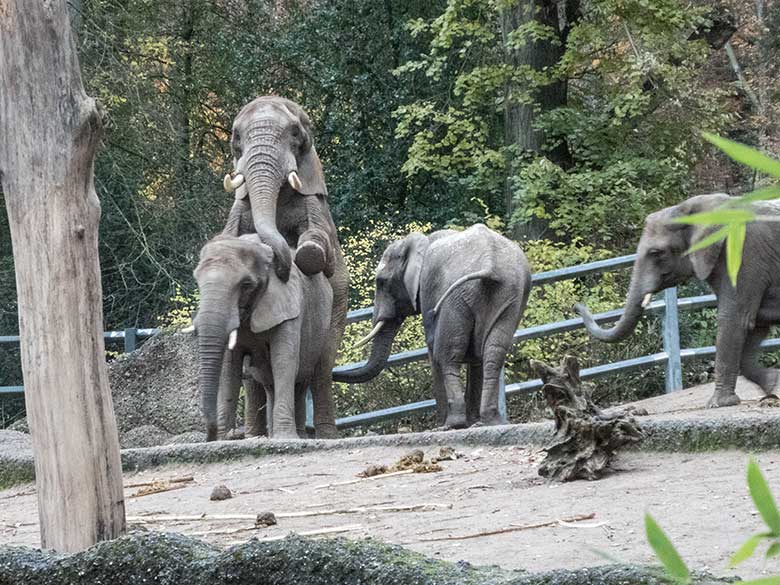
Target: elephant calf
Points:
(246, 309)
(471, 288)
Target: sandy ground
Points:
(700, 499)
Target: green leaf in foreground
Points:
(773, 550)
(734, 244)
(715, 236)
(665, 551)
(762, 581)
(746, 550)
(762, 498)
(763, 194)
(744, 154)
(724, 215)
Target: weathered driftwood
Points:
(586, 439)
(49, 132)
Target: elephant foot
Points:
(211, 433)
(234, 435)
(489, 422)
(326, 433)
(455, 421)
(720, 400)
(287, 436)
(310, 258)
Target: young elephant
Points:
(245, 309)
(744, 314)
(472, 288)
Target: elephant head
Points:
(273, 155)
(396, 297)
(238, 291)
(662, 261)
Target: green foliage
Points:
(664, 549)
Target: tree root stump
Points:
(586, 440)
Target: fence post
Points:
(502, 396)
(671, 333)
(131, 335)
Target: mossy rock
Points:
(168, 559)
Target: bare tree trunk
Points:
(50, 130)
(520, 118)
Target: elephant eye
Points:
(247, 283)
(655, 252)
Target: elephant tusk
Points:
(232, 339)
(241, 192)
(231, 183)
(295, 181)
(647, 299)
(190, 329)
(370, 336)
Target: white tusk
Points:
(370, 336)
(647, 299)
(241, 192)
(232, 339)
(190, 329)
(231, 183)
(295, 181)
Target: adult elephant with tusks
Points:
(745, 313)
(471, 288)
(281, 195)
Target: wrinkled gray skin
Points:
(282, 326)
(271, 137)
(744, 314)
(474, 324)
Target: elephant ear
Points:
(416, 246)
(310, 173)
(705, 259)
(280, 302)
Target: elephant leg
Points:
(473, 392)
(229, 387)
(439, 392)
(314, 253)
(456, 406)
(493, 359)
(285, 348)
(728, 354)
(256, 425)
(764, 377)
(300, 409)
(269, 410)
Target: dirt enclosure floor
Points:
(700, 499)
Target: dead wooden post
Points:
(585, 440)
(50, 130)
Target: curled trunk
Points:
(380, 351)
(625, 326)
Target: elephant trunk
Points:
(265, 177)
(631, 314)
(380, 351)
(211, 351)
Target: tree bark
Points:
(520, 118)
(50, 131)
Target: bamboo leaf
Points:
(734, 244)
(762, 498)
(764, 194)
(746, 155)
(665, 551)
(721, 216)
(773, 550)
(763, 581)
(746, 550)
(715, 236)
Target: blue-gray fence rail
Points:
(672, 356)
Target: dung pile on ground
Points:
(414, 461)
(169, 559)
(155, 391)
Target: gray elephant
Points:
(281, 195)
(744, 314)
(246, 309)
(471, 288)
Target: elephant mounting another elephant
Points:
(471, 288)
(745, 314)
(280, 195)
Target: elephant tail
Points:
(481, 274)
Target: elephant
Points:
(471, 287)
(246, 309)
(744, 313)
(281, 195)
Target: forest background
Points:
(559, 123)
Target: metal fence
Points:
(671, 357)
